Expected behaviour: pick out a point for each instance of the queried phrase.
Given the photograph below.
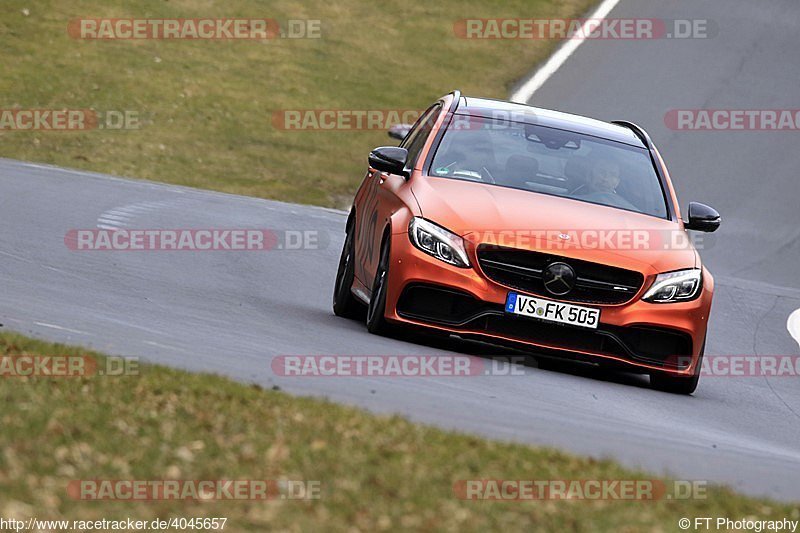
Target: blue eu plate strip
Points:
(511, 301)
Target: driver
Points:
(604, 178)
(601, 186)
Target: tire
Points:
(678, 385)
(376, 319)
(344, 303)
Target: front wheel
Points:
(675, 384)
(376, 321)
(344, 303)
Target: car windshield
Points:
(550, 161)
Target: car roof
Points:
(489, 108)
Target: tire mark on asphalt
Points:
(755, 352)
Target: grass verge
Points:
(206, 107)
(375, 473)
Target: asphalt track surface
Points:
(233, 312)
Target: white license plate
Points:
(533, 306)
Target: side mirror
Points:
(399, 131)
(391, 159)
(702, 218)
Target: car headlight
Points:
(676, 286)
(438, 242)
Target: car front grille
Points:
(459, 311)
(522, 270)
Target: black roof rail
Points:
(456, 98)
(637, 130)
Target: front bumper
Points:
(637, 335)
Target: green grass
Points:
(206, 106)
(376, 472)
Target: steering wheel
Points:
(488, 175)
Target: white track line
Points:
(116, 215)
(103, 223)
(532, 84)
(793, 325)
(61, 328)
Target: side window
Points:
(412, 133)
(419, 134)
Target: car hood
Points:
(483, 213)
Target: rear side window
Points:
(419, 134)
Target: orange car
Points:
(533, 228)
